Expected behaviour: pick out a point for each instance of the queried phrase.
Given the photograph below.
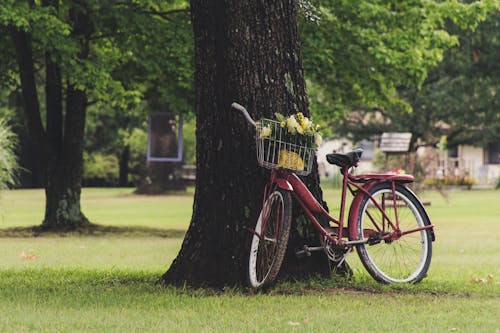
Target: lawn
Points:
(106, 283)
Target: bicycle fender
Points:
(354, 210)
(284, 184)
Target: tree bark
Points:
(245, 51)
(37, 139)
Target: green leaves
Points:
(131, 42)
(8, 159)
(362, 52)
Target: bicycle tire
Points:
(270, 239)
(406, 259)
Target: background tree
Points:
(361, 54)
(82, 53)
(462, 93)
(458, 97)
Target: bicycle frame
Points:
(359, 187)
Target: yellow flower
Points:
(305, 123)
(292, 124)
(265, 132)
(300, 130)
(290, 160)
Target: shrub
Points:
(450, 181)
(100, 169)
(8, 158)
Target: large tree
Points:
(58, 146)
(245, 51)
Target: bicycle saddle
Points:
(345, 160)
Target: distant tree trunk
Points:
(245, 51)
(123, 167)
(161, 177)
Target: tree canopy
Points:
(360, 54)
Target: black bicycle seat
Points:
(345, 160)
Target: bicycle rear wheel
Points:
(401, 260)
(270, 239)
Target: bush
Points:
(8, 158)
(450, 181)
(100, 169)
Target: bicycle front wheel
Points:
(270, 239)
(403, 259)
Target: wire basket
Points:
(276, 148)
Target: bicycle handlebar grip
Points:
(241, 108)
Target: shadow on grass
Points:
(94, 230)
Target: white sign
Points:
(395, 142)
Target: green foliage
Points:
(136, 139)
(131, 42)
(8, 158)
(362, 52)
(189, 143)
(100, 167)
(463, 93)
(450, 181)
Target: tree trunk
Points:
(36, 133)
(60, 145)
(65, 168)
(245, 51)
(65, 155)
(123, 167)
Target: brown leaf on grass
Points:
(489, 279)
(28, 256)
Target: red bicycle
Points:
(387, 223)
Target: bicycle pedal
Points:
(300, 254)
(374, 239)
(305, 252)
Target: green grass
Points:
(106, 283)
(117, 301)
(108, 206)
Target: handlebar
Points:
(242, 109)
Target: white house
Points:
(481, 164)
